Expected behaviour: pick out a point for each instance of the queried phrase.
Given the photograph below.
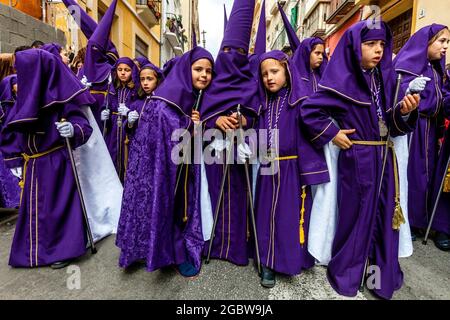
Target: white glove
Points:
(219, 145)
(17, 172)
(65, 129)
(244, 152)
(417, 85)
(85, 82)
(123, 110)
(132, 117)
(105, 115)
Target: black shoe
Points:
(267, 277)
(442, 241)
(60, 264)
(417, 233)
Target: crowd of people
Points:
(339, 161)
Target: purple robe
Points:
(278, 205)
(116, 136)
(153, 225)
(9, 191)
(50, 226)
(411, 62)
(364, 228)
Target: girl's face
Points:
(316, 57)
(14, 88)
(124, 73)
(273, 75)
(149, 80)
(201, 74)
(65, 56)
(371, 53)
(438, 49)
(79, 65)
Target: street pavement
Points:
(427, 276)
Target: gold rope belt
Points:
(398, 218)
(447, 181)
(282, 158)
(98, 92)
(27, 158)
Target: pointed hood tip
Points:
(239, 25)
(294, 41)
(260, 42)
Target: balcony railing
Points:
(149, 11)
(175, 33)
(343, 7)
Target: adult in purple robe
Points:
(283, 199)
(302, 60)
(118, 102)
(150, 227)
(9, 187)
(100, 58)
(234, 84)
(50, 227)
(361, 101)
(412, 61)
(87, 24)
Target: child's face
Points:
(201, 74)
(149, 80)
(372, 52)
(124, 73)
(273, 75)
(316, 57)
(65, 56)
(438, 49)
(14, 88)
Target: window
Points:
(141, 48)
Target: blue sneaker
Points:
(186, 269)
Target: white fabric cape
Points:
(100, 185)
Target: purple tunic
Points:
(282, 215)
(9, 191)
(50, 226)
(412, 62)
(365, 223)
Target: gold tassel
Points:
(302, 217)
(398, 218)
(447, 182)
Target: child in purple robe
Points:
(152, 228)
(50, 229)
(357, 91)
(115, 112)
(150, 78)
(424, 55)
(9, 187)
(283, 198)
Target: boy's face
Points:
(372, 52)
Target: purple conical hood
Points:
(85, 22)
(260, 43)
(53, 48)
(294, 41)
(97, 65)
(225, 18)
(239, 26)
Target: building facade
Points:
(136, 29)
